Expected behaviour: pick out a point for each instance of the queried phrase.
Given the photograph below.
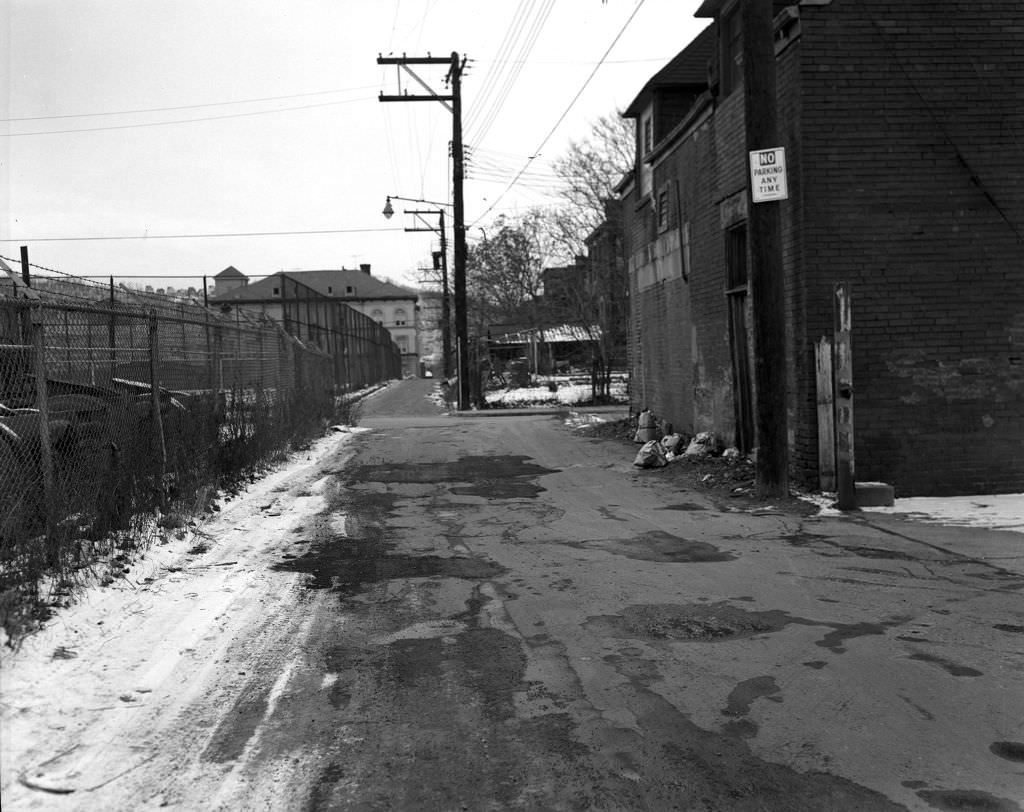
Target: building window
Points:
(348, 290)
(646, 146)
(377, 315)
(277, 291)
(663, 209)
(399, 318)
(732, 51)
(403, 343)
(330, 289)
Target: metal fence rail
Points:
(112, 410)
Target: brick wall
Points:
(910, 165)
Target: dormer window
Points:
(330, 289)
(277, 291)
(348, 290)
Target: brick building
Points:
(903, 122)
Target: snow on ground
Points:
(146, 622)
(567, 394)
(996, 512)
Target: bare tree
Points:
(589, 171)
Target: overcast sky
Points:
(237, 116)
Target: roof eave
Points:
(709, 8)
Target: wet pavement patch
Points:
(684, 506)
(741, 698)
(349, 565)
(1009, 627)
(955, 669)
(967, 799)
(700, 622)
(817, 665)
(715, 622)
(502, 477)
(657, 545)
(1011, 751)
(847, 631)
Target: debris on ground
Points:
(650, 455)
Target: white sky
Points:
(326, 167)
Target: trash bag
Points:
(646, 427)
(702, 445)
(672, 443)
(650, 455)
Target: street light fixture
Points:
(388, 209)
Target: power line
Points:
(524, 52)
(188, 106)
(185, 120)
(565, 112)
(199, 236)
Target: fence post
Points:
(112, 334)
(160, 446)
(42, 404)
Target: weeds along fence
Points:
(112, 411)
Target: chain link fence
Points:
(114, 411)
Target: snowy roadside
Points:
(124, 656)
(995, 511)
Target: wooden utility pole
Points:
(459, 232)
(441, 264)
(767, 286)
(454, 79)
(846, 488)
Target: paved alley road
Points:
(489, 613)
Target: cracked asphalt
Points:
(489, 612)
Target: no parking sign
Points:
(768, 175)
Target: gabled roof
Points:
(231, 272)
(329, 283)
(689, 68)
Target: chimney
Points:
(365, 267)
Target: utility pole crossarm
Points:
(413, 60)
(404, 97)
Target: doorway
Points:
(739, 335)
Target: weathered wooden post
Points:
(846, 491)
(42, 404)
(159, 445)
(826, 415)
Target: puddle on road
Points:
(741, 698)
(350, 565)
(695, 621)
(500, 477)
(949, 666)
(657, 545)
(1011, 751)
(684, 506)
(716, 622)
(970, 799)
